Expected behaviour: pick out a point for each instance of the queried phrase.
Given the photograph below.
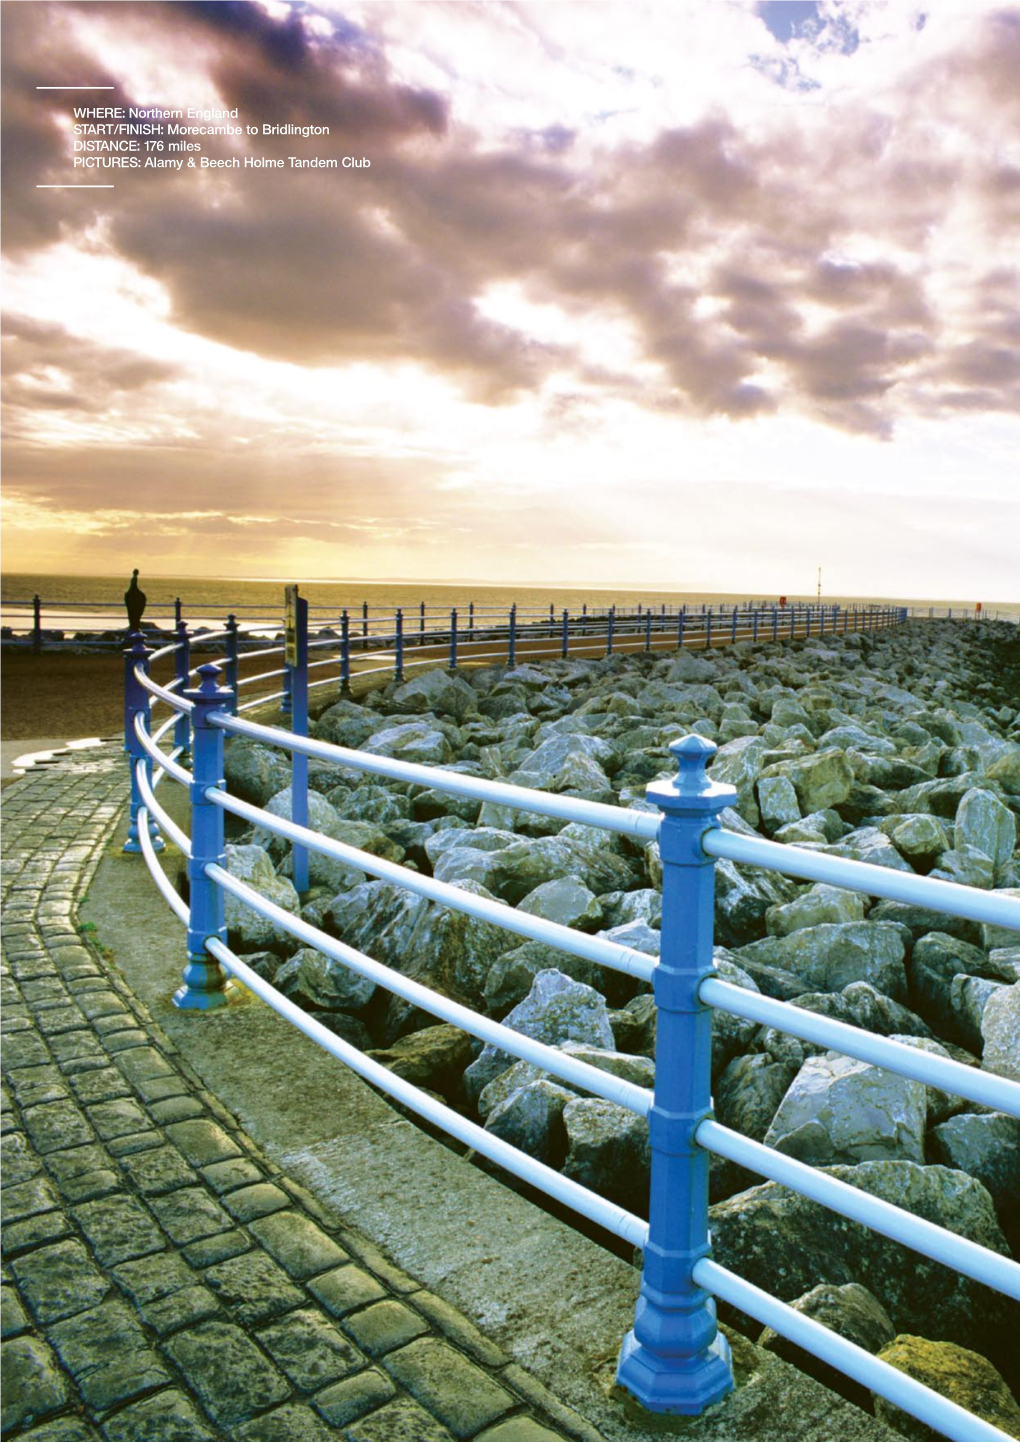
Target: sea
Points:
(96, 602)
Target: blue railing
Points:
(674, 1359)
(37, 623)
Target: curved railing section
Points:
(674, 1359)
(40, 624)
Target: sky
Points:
(610, 292)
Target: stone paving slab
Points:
(162, 1278)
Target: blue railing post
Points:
(648, 629)
(471, 619)
(675, 1359)
(511, 649)
(398, 647)
(708, 628)
(364, 618)
(609, 630)
(205, 982)
(299, 727)
(345, 655)
(231, 669)
(733, 628)
(680, 631)
(421, 623)
(178, 611)
(136, 703)
(565, 634)
(453, 640)
(182, 665)
(36, 624)
(754, 625)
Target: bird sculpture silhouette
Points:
(134, 600)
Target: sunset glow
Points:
(685, 294)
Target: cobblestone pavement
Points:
(162, 1280)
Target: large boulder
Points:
(346, 724)
(324, 818)
(246, 929)
(743, 896)
(777, 802)
(438, 691)
(731, 1035)
(254, 772)
(321, 983)
(876, 1013)
(982, 821)
(454, 952)
(851, 1312)
(511, 872)
(871, 846)
(838, 1109)
(1000, 1031)
(556, 1009)
(433, 1057)
(688, 668)
(1005, 770)
(549, 766)
(531, 1119)
(815, 907)
(608, 1151)
(416, 741)
(738, 763)
(513, 974)
(830, 956)
(786, 1244)
(370, 802)
(565, 901)
(821, 780)
(957, 1373)
(935, 959)
(377, 918)
(968, 997)
(917, 836)
(888, 773)
(987, 1146)
(965, 865)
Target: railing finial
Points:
(692, 754)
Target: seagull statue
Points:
(134, 600)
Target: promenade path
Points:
(163, 1280)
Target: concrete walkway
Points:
(163, 1279)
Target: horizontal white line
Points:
(75, 187)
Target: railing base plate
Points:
(660, 1386)
(189, 998)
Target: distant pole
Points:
(230, 669)
(345, 655)
(36, 624)
(299, 727)
(182, 670)
(819, 583)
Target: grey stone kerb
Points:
(325, 1268)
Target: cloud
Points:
(387, 264)
(44, 366)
